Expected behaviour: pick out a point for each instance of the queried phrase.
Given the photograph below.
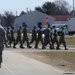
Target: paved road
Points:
(17, 64)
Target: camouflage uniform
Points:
(25, 36)
(55, 39)
(62, 39)
(39, 37)
(2, 40)
(12, 38)
(34, 35)
(19, 38)
(50, 38)
(8, 34)
(47, 38)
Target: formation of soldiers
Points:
(7, 37)
(50, 37)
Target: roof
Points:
(62, 17)
(36, 12)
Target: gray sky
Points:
(19, 5)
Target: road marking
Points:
(9, 69)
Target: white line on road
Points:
(9, 69)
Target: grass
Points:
(61, 60)
(69, 56)
(70, 40)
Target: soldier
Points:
(19, 38)
(39, 37)
(12, 38)
(47, 37)
(2, 40)
(55, 39)
(25, 36)
(50, 37)
(34, 35)
(62, 39)
(6, 43)
(8, 34)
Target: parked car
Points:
(58, 27)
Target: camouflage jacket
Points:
(2, 38)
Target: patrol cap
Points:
(40, 26)
(55, 30)
(12, 27)
(26, 25)
(35, 27)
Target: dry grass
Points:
(61, 60)
(70, 40)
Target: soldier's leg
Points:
(35, 40)
(10, 41)
(28, 45)
(64, 43)
(21, 43)
(0, 58)
(41, 41)
(14, 43)
(52, 40)
(50, 43)
(56, 42)
(59, 44)
(32, 40)
(36, 45)
(24, 39)
(44, 43)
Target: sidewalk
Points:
(17, 64)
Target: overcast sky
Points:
(19, 5)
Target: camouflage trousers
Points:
(1, 50)
(0, 56)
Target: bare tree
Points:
(63, 6)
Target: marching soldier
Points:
(25, 36)
(34, 35)
(12, 38)
(2, 40)
(19, 38)
(8, 34)
(47, 38)
(39, 37)
(51, 36)
(55, 39)
(62, 39)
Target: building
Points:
(32, 18)
(62, 19)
